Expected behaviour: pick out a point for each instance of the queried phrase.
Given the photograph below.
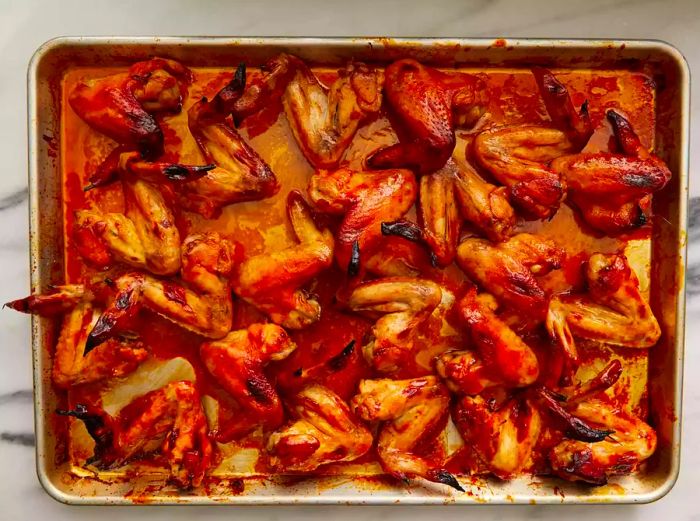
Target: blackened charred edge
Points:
(354, 264)
(240, 75)
(99, 333)
(257, 390)
(14, 199)
(405, 229)
(93, 423)
(446, 478)
(298, 372)
(340, 360)
(578, 429)
(177, 172)
(25, 439)
(16, 396)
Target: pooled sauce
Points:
(262, 226)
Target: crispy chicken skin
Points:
(114, 358)
(507, 270)
(240, 173)
(613, 190)
(502, 358)
(423, 100)
(411, 411)
(173, 411)
(325, 431)
(366, 199)
(611, 311)
(630, 442)
(273, 282)
(121, 106)
(237, 362)
(503, 438)
(323, 121)
(517, 156)
(403, 307)
(202, 304)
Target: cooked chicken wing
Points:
(175, 412)
(517, 156)
(116, 357)
(503, 358)
(323, 121)
(503, 438)
(424, 100)
(507, 270)
(273, 282)
(612, 311)
(240, 173)
(237, 361)
(412, 411)
(403, 307)
(121, 106)
(613, 191)
(325, 432)
(367, 199)
(203, 305)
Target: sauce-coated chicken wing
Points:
(423, 100)
(240, 173)
(411, 411)
(237, 361)
(367, 199)
(325, 432)
(507, 270)
(273, 282)
(612, 311)
(121, 106)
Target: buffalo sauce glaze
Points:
(330, 351)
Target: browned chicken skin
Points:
(240, 173)
(507, 270)
(411, 411)
(613, 191)
(403, 308)
(323, 121)
(612, 311)
(121, 106)
(203, 305)
(325, 432)
(502, 358)
(237, 361)
(273, 282)
(367, 199)
(424, 100)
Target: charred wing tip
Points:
(354, 264)
(446, 478)
(91, 343)
(405, 229)
(89, 187)
(584, 108)
(338, 361)
(20, 305)
(240, 75)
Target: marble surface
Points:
(24, 25)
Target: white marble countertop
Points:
(24, 25)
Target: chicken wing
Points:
(121, 106)
(325, 432)
(116, 357)
(503, 358)
(612, 311)
(613, 191)
(174, 413)
(203, 306)
(367, 199)
(411, 411)
(423, 100)
(237, 361)
(272, 282)
(323, 121)
(240, 173)
(403, 307)
(507, 270)
(503, 438)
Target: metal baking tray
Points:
(662, 62)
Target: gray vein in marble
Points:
(693, 218)
(25, 439)
(14, 199)
(17, 396)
